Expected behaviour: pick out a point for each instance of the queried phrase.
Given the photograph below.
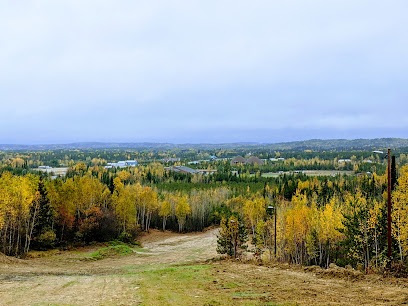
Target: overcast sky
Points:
(202, 71)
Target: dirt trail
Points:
(176, 248)
(158, 247)
(66, 278)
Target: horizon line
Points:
(195, 143)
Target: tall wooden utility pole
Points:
(389, 208)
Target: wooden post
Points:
(275, 229)
(389, 208)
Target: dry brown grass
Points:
(177, 269)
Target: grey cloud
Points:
(154, 69)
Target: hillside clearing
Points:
(174, 269)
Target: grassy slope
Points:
(172, 270)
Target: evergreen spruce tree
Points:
(232, 237)
(43, 232)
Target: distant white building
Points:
(131, 163)
(122, 164)
(344, 160)
(195, 162)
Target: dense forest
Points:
(314, 220)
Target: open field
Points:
(174, 269)
(57, 171)
(312, 173)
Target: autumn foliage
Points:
(319, 220)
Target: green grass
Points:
(111, 251)
(140, 250)
(174, 284)
(176, 272)
(233, 285)
(187, 284)
(116, 248)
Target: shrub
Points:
(111, 251)
(46, 240)
(125, 237)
